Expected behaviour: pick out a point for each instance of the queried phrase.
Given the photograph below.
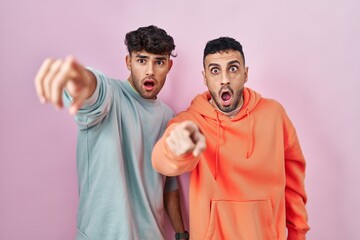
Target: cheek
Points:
(136, 68)
(213, 80)
(238, 80)
(212, 86)
(162, 72)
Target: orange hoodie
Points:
(249, 182)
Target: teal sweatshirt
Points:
(121, 195)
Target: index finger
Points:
(193, 130)
(190, 126)
(200, 145)
(39, 78)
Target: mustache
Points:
(149, 79)
(226, 88)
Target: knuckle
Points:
(170, 137)
(56, 86)
(66, 66)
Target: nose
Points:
(150, 69)
(225, 79)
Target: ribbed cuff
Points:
(296, 235)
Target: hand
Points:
(186, 137)
(56, 75)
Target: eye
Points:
(214, 70)
(140, 60)
(160, 62)
(233, 68)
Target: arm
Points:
(55, 76)
(172, 207)
(173, 210)
(178, 149)
(295, 195)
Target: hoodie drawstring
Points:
(249, 142)
(249, 136)
(217, 150)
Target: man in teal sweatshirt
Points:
(121, 196)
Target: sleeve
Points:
(97, 106)
(171, 184)
(165, 162)
(295, 195)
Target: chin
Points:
(229, 108)
(148, 96)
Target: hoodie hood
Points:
(202, 106)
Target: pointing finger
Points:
(39, 79)
(65, 74)
(53, 69)
(200, 144)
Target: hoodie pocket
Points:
(241, 220)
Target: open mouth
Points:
(149, 84)
(226, 97)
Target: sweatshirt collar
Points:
(228, 114)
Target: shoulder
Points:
(163, 105)
(269, 104)
(166, 109)
(184, 116)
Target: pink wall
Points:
(305, 54)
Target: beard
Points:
(139, 88)
(237, 98)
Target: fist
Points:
(56, 75)
(186, 137)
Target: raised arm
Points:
(178, 150)
(56, 75)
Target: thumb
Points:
(78, 102)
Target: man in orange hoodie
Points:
(247, 167)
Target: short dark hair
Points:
(222, 44)
(151, 39)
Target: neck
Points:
(132, 87)
(228, 114)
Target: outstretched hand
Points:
(56, 75)
(186, 137)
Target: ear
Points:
(128, 62)
(170, 64)
(204, 78)
(246, 74)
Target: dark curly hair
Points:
(151, 39)
(222, 44)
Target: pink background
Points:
(306, 54)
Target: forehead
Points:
(223, 58)
(145, 54)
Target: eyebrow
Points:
(147, 57)
(229, 63)
(232, 62)
(160, 58)
(141, 56)
(213, 65)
